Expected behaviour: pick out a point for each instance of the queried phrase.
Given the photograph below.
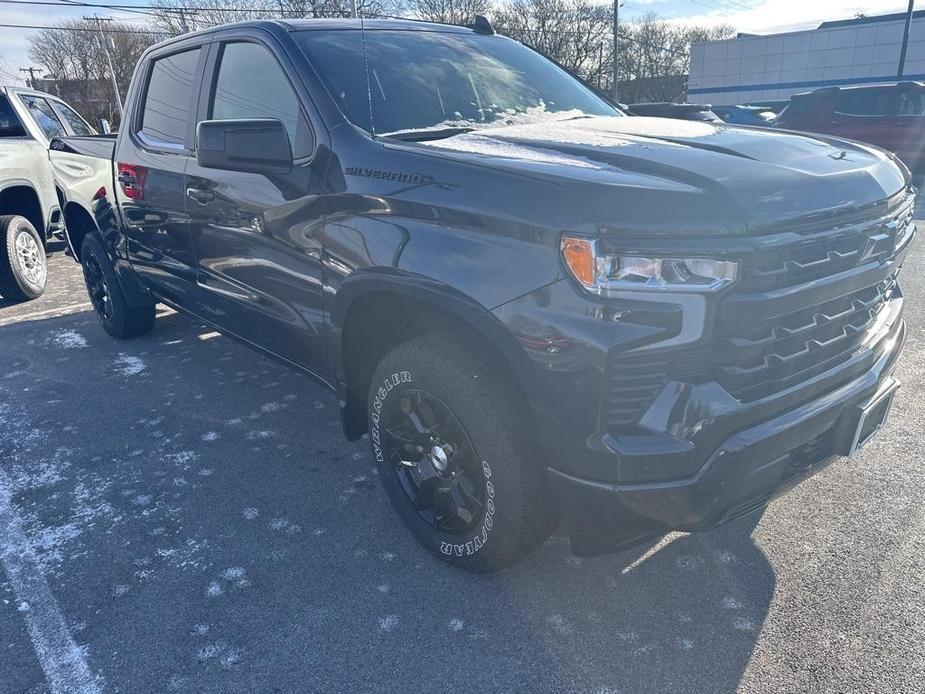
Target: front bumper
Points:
(743, 473)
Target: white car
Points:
(30, 205)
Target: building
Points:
(750, 68)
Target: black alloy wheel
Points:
(436, 463)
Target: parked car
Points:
(890, 116)
(30, 211)
(746, 115)
(699, 112)
(535, 312)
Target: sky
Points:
(751, 16)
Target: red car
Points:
(890, 116)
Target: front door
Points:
(151, 167)
(258, 237)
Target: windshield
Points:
(422, 80)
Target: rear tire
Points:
(23, 266)
(117, 317)
(490, 504)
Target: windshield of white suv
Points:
(443, 81)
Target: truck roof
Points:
(330, 24)
(373, 25)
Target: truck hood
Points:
(675, 176)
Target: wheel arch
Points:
(19, 196)
(375, 311)
(78, 222)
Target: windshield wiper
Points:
(424, 134)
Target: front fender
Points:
(452, 304)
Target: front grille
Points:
(791, 259)
(755, 360)
(770, 333)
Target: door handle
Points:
(200, 195)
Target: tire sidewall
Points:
(16, 226)
(389, 385)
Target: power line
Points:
(157, 8)
(78, 4)
(81, 29)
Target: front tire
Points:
(23, 266)
(455, 453)
(117, 317)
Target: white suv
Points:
(30, 209)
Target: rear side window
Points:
(9, 122)
(78, 125)
(251, 84)
(866, 102)
(166, 112)
(44, 115)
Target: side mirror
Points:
(105, 128)
(254, 146)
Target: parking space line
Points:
(48, 313)
(62, 660)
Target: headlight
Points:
(603, 273)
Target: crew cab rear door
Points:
(154, 149)
(258, 237)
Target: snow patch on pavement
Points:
(127, 365)
(69, 339)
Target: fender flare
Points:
(454, 304)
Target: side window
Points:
(251, 84)
(912, 103)
(866, 102)
(77, 124)
(166, 112)
(9, 121)
(43, 114)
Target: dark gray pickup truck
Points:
(537, 308)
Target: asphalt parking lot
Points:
(178, 513)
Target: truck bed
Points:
(83, 171)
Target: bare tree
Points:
(332, 8)
(655, 57)
(175, 17)
(444, 11)
(575, 33)
(73, 56)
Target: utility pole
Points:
(902, 51)
(105, 46)
(31, 70)
(616, 57)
